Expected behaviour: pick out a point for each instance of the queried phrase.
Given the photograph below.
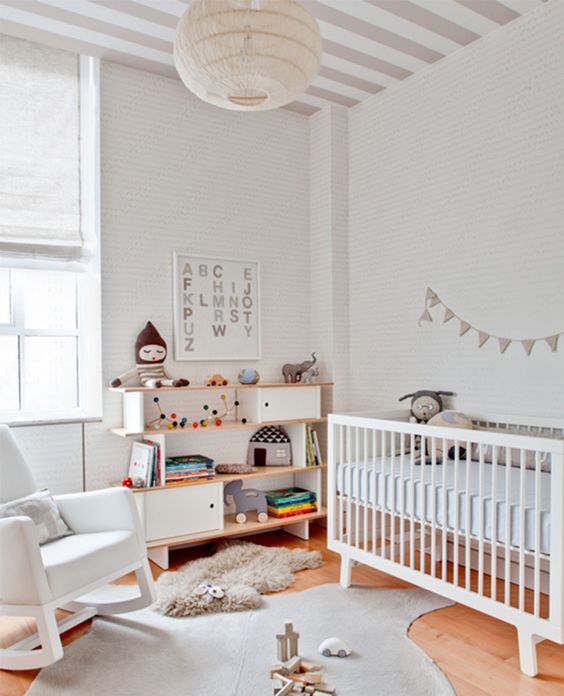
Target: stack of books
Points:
(290, 502)
(188, 467)
(313, 452)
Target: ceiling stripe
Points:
(348, 22)
(141, 11)
(349, 39)
(367, 45)
(361, 71)
(348, 79)
(424, 18)
(376, 16)
(344, 89)
(331, 96)
(459, 14)
(371, 62)
(492, 10)
(59, 11)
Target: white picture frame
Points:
(216, 308)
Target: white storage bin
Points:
(279, 403)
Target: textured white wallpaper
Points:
(457, 183)
(451, 179)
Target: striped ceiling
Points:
(367, 44)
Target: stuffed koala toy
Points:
(425, 403)
(150, 354)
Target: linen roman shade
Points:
(40, 212)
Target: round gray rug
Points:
(144, 653)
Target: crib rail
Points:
(476, 515)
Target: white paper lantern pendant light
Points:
(247, 55)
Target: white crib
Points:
(472, 528)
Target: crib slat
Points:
(402, 499)
(342, 472)
(536, 580)
(433, 505)
(481, 520)
(507, 569)
(350, 486)
(468, 520)
(366, 496)
(393, 494)
(493, 567)
(456, 559)
(382, 495)
(412, 499)
(374, 492)
(445, 514)
(522, 531)
(358, 460)
(423, 511)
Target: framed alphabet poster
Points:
(216, 308)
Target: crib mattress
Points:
(360, 475)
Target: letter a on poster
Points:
(216, 308)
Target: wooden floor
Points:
(478, 653)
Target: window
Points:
(49, 228)
(48, 346)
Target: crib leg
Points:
(528, 652)
(346, 571)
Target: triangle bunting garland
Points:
(464, 327)
(503, 344)
(432, 300)
(483, 338)
(448, 315)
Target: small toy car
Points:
(334, 647)
(216, 381)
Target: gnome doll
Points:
(150, 354)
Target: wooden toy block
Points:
(313, 678)
(287, 686)
(278, 669)
(325, 689)
(293, 664)
(309, 690)
(310, 666)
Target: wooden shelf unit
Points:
(194, 512)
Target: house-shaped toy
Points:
(269, 446)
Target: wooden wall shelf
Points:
(226, 425)
(203, 387)
(232, 528)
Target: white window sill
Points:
(37, 419)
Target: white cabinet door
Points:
(184, 510)
(279, 403)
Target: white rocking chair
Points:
(36, 580)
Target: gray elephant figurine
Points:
(245, 500)
(293, 371)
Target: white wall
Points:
(180, 175)
(457, 183)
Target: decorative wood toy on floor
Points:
(296, 676)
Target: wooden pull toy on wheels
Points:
(246, 500)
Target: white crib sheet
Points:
(351, 478)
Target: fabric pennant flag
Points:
(448, 315)
(430, 295)
(503, 344)
(528, 345)
(434, 301)
(483, 337)
(552, 342)
(426, 316)
(464, 327)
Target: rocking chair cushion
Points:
(76, 561)
(42, 510)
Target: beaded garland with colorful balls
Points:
(172, 422)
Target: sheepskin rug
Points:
(244, 572)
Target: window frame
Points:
(86, 272)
